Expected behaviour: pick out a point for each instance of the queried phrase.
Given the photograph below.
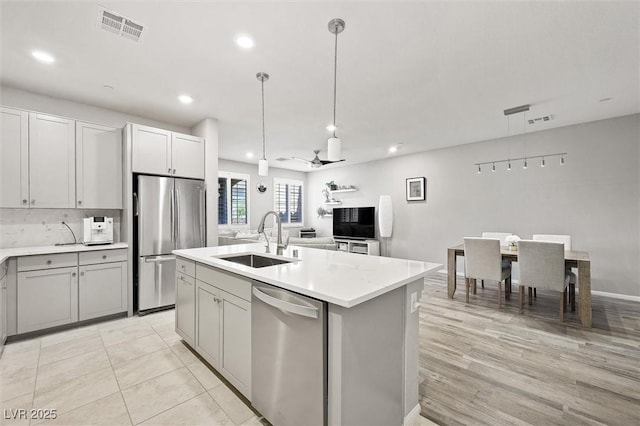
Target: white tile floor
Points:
(123, 372)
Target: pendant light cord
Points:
(335, 78)
(264, 157)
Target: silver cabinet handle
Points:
(24, 201)
(73, 274)
(169, 170)
(182, 266)
(174, 171)
(104, 256)
(79, 202)
(82, 274)
(33, 201)
(48, 262)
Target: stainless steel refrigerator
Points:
(170, 215)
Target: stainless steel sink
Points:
(254, 260)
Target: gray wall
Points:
(594, 197)
(261, 203)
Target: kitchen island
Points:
(363, 366)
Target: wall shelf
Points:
(332, 203)
(338, 191)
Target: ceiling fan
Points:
(316, 162)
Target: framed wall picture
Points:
(416, 189)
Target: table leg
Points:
(584, 287)
(451, 273)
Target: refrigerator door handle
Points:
(177, 220)
(203, 234)
(159, 259)
(136, 205)
(173, 218)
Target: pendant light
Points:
(336, 26)
(263, 163)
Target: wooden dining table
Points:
(572, 258)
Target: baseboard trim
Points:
(593, 292)
(412, 417)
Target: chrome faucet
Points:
(280, 246)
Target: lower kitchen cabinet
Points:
(186, 307)
(208, 322)
(47, 298)
(235, 359)
(102, 290)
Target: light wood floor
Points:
(482, 365)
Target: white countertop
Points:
(30, 251)
(344, 279)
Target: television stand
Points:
(368, 247)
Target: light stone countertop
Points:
(6, 253)
(344, 279)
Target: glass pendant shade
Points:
(263, 167)
(335, 149)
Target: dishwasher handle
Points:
(305, 311)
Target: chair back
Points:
(482, 258)
(499, 235)
(541, 264)
(565, 239)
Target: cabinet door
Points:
(14, 158)
(208, 322)
(98, 166)
(47, 298)
(235, 361)
(151, 150)
(186, 308)
(187, 156)
(3, 311)
(102, 290)
(52, 164)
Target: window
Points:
(289, 200)
(233, 199)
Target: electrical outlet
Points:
(414, 302)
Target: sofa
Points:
(229, 237)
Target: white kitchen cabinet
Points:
(208, 304)
(3, 305)
(235, 358)
(102, 290)
(52, 177)
(187, 156)
(161, 152)
(98, 166)
(151, 150)
(14, 158)
(47, 298)
(186, 307)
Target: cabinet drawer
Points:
(185, 266)
(47, 261)
(228, 282)
(102, 256)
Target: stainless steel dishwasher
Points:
(288, 357)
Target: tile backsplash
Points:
(42, 227)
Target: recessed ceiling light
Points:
(249, 154)
(331, 127)
(43, 57)
(185, 99)
(393, 149)
(244, 41)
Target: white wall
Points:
(21, 99)
(208, 129)
(594, 197)
(261, 203)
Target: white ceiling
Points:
(424, 74)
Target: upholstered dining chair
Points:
(542, 266)
(483, 261)
(502, 237)
(573, 279)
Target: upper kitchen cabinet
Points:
(98, 166)
(187, 156)
(14, 158)
(151, 150)
(161, 152)
(52, 165)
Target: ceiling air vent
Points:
(541, 119)
(117, 24)
(282, 159)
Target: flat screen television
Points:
(354, 222)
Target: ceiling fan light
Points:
(335, 149)
(263, 167)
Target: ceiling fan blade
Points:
(301, 159)
(329, 162)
